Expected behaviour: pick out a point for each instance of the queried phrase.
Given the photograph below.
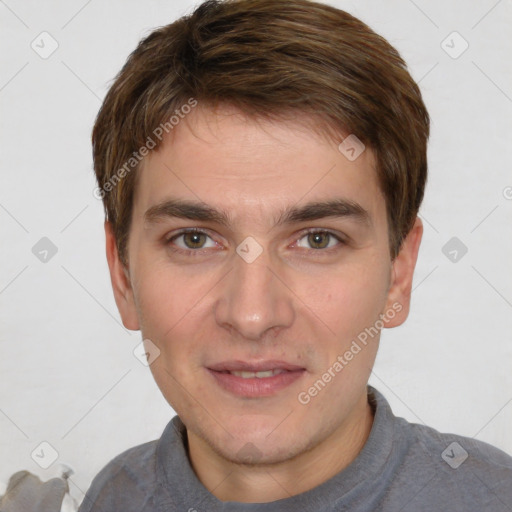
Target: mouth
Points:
(258, 375)
(253, 380)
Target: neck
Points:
(259, 483)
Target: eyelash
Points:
(198, 252)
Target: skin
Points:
(302, 300)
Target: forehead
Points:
(223, 158)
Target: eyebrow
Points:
(199, 211)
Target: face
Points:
(258, 257)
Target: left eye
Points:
(319, 240)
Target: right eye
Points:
(190, 240)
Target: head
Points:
(292, 139)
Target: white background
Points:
(68, 375)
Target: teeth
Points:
(259, 375)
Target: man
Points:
(262, 164)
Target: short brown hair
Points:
(267, 58)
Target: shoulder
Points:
(456, 450)
(450, 468)
(427, 469)
(131, 474)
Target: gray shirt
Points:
(402, 467)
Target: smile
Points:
(255, 380)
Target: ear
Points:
(399, 293)
(121, 284)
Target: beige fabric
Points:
(27, 493)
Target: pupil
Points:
(316, 239)
(195, 239)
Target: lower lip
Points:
(254, 387)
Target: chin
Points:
(260, 452)
(249, 443)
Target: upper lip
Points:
(233, 366)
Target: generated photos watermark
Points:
(342, 360)
(137, 156)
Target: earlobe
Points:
(399, 293)
(121, 284)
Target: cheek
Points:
(348, 299)
(161, 302)
(173, 309)
(171, 318)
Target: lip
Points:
(255, 387)
(255, 366)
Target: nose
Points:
(254, 299)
